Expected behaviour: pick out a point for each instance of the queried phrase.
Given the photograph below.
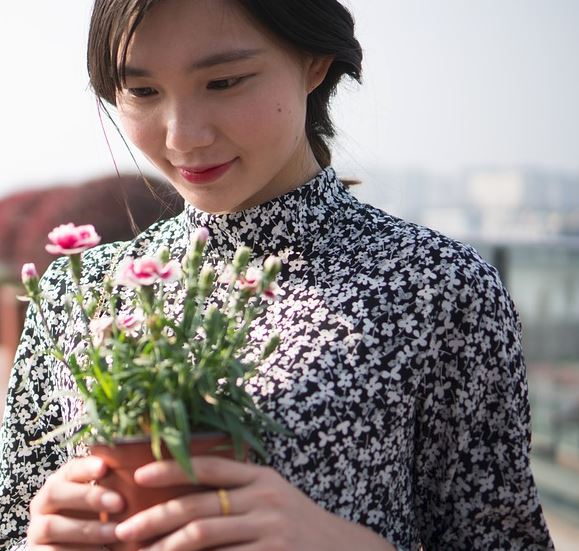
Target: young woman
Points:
(400, 372)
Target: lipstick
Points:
(205, 174)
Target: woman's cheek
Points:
(269, 120)
(143, 132)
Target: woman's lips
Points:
(205, 174)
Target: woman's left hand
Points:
(266, 513)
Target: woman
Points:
(400, 372)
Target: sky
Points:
(449, 84)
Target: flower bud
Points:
(270, 346)
(164, 255)
(29, 273)
(214, 323)
(228, 275)
(201, 234)
(108, 285)
(241, 258)
(206, 278)
(199, 239)
(272, 266)
(30, 279)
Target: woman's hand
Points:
(67, 489)
(266, 513)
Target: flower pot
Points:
(126, 457)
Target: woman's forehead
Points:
(195, 27)
(178, 35)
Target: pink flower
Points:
(147, 270)
(29, 273)
(170, 271)
(134, 273)
(272, 292)
(251, 280)
(200, 235)
(100, 329)
(69, 239)
(131, 322)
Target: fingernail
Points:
(111, 501)
(124, 530)
(108, 531)
(96, 464)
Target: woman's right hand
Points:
(68, 489)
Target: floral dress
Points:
(400, 373)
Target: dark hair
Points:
(317, 27)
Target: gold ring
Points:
(224, 502)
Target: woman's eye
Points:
(141, 92)
(224, 84)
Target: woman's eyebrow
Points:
(212, 60)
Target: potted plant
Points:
(144, 375)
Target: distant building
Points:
(488, 203)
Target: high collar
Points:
(296, 219)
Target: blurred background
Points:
(467, 122)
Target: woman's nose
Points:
(188, 127)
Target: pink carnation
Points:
(100, 329)
(29, 273)
(170, 271)
(69, 239)
(272, 292)
(251, 280)
(147, 270)
(131, 322)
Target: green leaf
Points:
(182, 419)
(254, 442)
(179, 449)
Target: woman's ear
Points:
(317, 70)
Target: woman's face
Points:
(218, 105)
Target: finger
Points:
(209, 471)
(253, 546)
(209, 534)
(84, 469)
(71, 496)
(83, 497)
(174, 514)
(56, 529)
(65, 547)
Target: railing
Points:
(543, 279)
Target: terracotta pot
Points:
(126, 457)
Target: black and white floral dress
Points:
(400, 373)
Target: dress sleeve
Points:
(24, 466)
(475, 489)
